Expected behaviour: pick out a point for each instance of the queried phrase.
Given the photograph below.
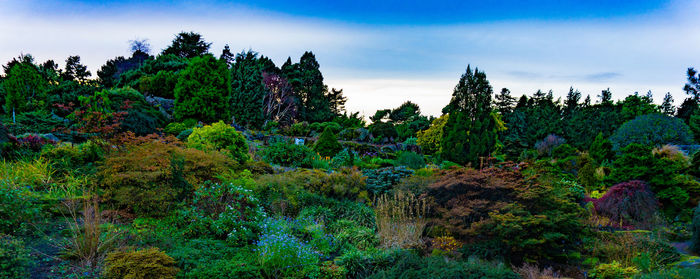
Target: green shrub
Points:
(287, 154)
(175, 128)
(219, 136)
(18, 209)
(300, 129)
(410, 265)
(207, 258)
(68, 157)
(344, 158)
(652, 130)
(672, 273)
(601, 149)
(613, 271)
(282, 255)
(203, 90)
(222, 211)
(327, 144)
(355, 236)
(15, 259)
(145, 263)
(563, 151)
(319, 127)
(695, 240)
(380, 181)
(410, 159)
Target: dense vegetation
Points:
(185, 165)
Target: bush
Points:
(671, 273)
(68, 157)
(430, 139)
(288, 154)
(380, 181)
(222, 211)
(319, 127)
(203, 90)
(613, 271)
(652, 130)
(327, 144)
(18, 209)
(15, 259)
(358, 237)
(410, 159)
(206, 258)
(695, 240)
(383, 130)
(563, 151)
(344, 158)
(412, 266)
(150, 174)
(145, 263)
(548, 144)
(300, 129)
(219, 136)
(601, 149)
(628, 205)
(281, 254)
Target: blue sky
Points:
(385, 52)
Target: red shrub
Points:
(628, 204)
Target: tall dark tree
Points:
(227, 55)
(25, 88)
(22, 58)
(110, 72)
(605, 97)
(188, 45)
(587, 101)
(692, 88)
(336, 101)
(75, 71)
(140, 46)
(667, 106)
(504, 102)
(307, 81)
(470, 131)
(247, 88)
(572, 101)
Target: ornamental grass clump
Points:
(401, 219)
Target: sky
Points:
(383, 53)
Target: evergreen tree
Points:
(601, 149)
(470, 131)
(75, 71)
(327, 144)
(692, 88)
(605, 97)
(247, 88)
(572, 101)
(25, 89)
(188, 45)
(227, 56)
(202, 91)
(504, 102)
(667, 106)
(311, 93)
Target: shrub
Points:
(630, 248)
(300, 129)
(652, 130)
(319, 127)
(359, 237)
(695, 240)
(401, 219)
(327, 144)
(222, 211)
(628, 204)
(383, 130)
(203, 90)
(206, 258)
(150, 174)
(412, 266)
(601, 149)
(18, 209)
(430, 139)
(88, 240)
(671, 273)
(548, 144)
(280, 254)
(563, 151)
(287, 154)
(68, 157)
(613, 271)
(380, 181)
(344, 158)
(219, 136)
(145, 263)
(15, 260)
(410, 159)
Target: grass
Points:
(401, 218)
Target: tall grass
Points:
(401, 219)
(37, 173)
(89, 242)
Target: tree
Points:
(430, 139)
(311, 93)
(504, 102)
(601, 149)
(110, 72)
(692, 88)
(667, 106)
(652, 130)
(25, 89)
(470, 131)
(336, 101)
(22, 58)
(140, 46)
(188, 45)
(572, 101)
(327, 144)
(227, 55)
(202, 91)
(247, 88)
(279, 104)
(605, 97)
(635, 105)
(75, 71)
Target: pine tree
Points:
(327, 144)
(202, 91)
(606, 97)
(470, 131)
(572, 101)
(247, 88)
(227, 56)
(25, 88)
(504, 102)
(667, 106)
(188, 45)
(601, 149)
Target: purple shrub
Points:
(628, 204)
(546, 145)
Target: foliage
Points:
(187, 45)
(628, 204)
(634, 248)
(380, 181)
(222, 137)
(288, 154)
(170, 173)
(601, 149)
(409, 265)
(401, 219)
(546, 146)
(88, 242)
(695, 240)
(315, 103)
(25, 89)
(652, 130)
(222, 211)
(410, 159)
(18, 208)
(202, 91)
(15, 260)
(613, 271)
(144, 263)
(280, 254)
(383, 130)
(248, 91)
(327, 144)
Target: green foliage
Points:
(327, 144)
(380, 181)
(563, 151)
(70, 157)
(222, 211)
(15, 259)
(383, 130)
(314, 102)
(300, 129)
(601, 149)
(281, 254)
(203, 91)
(652, 130)
(613, 271)
(222, 137)
(410, 159)
(25, 89)
(247, 88)
(18, 209)
(344, 158)
(672, 273)
(145, 263)
(320, 127)
(410, 265)
(695, 240)
(206, 258)
(187, 45)
(287, 154)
